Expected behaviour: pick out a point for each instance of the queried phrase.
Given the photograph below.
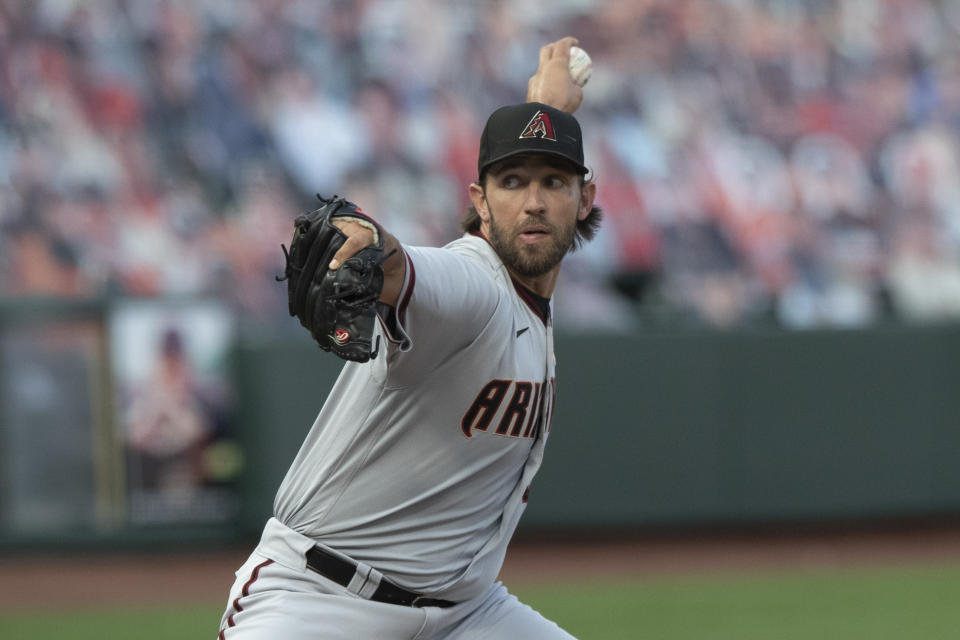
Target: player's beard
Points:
(531, 260)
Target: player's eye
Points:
(555, 181)
(510, 181)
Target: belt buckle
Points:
(416, 601)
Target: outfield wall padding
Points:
(667, 429)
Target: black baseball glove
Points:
(338, 307)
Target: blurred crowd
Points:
(788, 162)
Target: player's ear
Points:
(479, 201)
(587, 195)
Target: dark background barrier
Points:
(753, 427)
(660, 429)
(673, 429)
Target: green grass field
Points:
(863, 604)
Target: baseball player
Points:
(394, 518)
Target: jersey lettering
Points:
(516, 411)
(484, 408)
(544, 416)
(523, 416)
(535, 414)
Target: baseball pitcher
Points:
(393, 520)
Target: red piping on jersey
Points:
(532, 300)
(402, 308)
(243, 593)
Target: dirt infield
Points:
(38, 582)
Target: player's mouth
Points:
(534, 234)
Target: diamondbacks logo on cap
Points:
(539, 127)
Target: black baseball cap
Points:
(531, 127)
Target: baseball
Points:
(580, 66)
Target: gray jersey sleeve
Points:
(449, 298)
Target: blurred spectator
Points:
(167, 422)
(758, 161)
(923, 277)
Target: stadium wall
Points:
(668, 429)
(658, 429)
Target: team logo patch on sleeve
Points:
(539, 127)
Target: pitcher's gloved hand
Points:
(337, 306)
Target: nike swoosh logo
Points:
(522, 331)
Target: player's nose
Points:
(534, 202)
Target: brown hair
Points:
(586, 228)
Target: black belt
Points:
(342, 571)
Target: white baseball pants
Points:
(275, 596)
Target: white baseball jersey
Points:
(420, 462)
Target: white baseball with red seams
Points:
(581, 66)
